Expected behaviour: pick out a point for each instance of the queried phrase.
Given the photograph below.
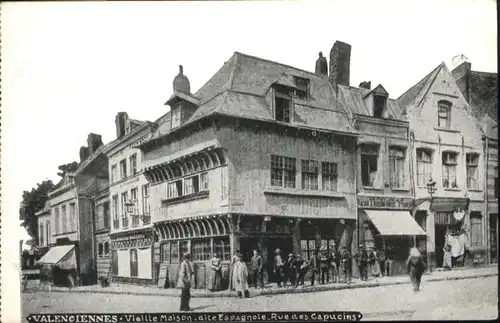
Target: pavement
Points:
(272, 289)
(459, 299)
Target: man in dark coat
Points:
(335, 262)
(301, 268)
(362, 258)
(415, 268)
(324, 265)
(278, 267)
(291, 271)
(257, 266)
(314, 265)
(345, 260)
(184, 282)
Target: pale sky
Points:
(68, 68)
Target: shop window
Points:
(450, 170)
(476, 230)
(133, 263)
(201, 250)
(100, 249)
(174, 251)
(165, 252)
(106, 248)
(310, 171)
(397, 166)
(307, 248)
(369, 164)
(222, 247)
(114, 262)
(329, 176)
(283, 171)
(424, 166)
(472, 161)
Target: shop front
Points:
(386, 223)
(132, 257)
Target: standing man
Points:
(324, 265)
(240, 277)
(335, 263)
(345, 259)
(314, 264)
(184, 282)
(301, 268)
(257, 267)
(415, 268)
(291, 270)
(278, 267)
(388, 261)
(362, 258)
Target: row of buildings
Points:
(270, 156)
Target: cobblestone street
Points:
(453, 299)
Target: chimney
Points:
(94, 141)
(120, 120)
(340, 61)
(84, 153)
(181, 82)
(366, 85)
(321, 65)
(462, 75)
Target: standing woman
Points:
(231, 270)
(216, 283)
(415, 268)
(375, 263)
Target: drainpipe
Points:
(485, 189)
(411, 137)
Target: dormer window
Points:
(302, 87)
(282, 107)
(176, 117)
(444, 109)
(379, 103)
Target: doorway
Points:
(285, 244)
(439, 238)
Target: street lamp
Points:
(431, 187)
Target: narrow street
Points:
(455, 299)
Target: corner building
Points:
(262, 156)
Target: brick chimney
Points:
(84, 153)
(321, 65)
(366, 85)
(94, 141)
(462, 75)
(340, 62)
(120, 121)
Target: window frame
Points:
(366, 153)
(134, 265)
(449, 166)
(114, 173)
(327, 176)
(445, 114)
(124, 199)
(133, 165)
(394, 156)
(472, 163)
(175, 121)
(64, 218)
(309, 169)
(382, 107)
(422, 182)
(123, 169)
(283, 96)
(476, 225)
(116, 214)
(57, 227)
(279, 167)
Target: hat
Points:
(290, 255)
(277, 250)
(186, 255)
(361, 246)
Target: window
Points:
(472, 173)
(191, 185)
(101, 250)
(444, 108)
(116, 220)
(176, 117)
(133, 164)
(283, 171)
(40, 234)
(450, 170)
(114, 262)
(369, 161)
(476, 229)
(165, 252)
(64, 219)
(283, 104)
(223, 248)
(310, 170)
(133, 263)
(396, 166)
(47, 232)
(124, 209)
(174, 251)
(174, 189)
(135, 213)
(113, 174)
(145, 200)
(123, 169)
(424, 167)
(183, 247)
(302, 85)
(204, 180)
(379, 106)
(329, 176)
(307, 248)
(106, 248)
(72, 217)
(56, 220)
(224, 183)
(106, 215)
(201, 250)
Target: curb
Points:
(274, 291)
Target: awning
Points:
(63, 256)
(395, 223)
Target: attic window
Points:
(282, 107)
(379, 103)
(176, 117)
(444, 108)
(302, 90)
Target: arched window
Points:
(444, 114)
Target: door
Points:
(440, 232)
(285, 244)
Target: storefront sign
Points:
(379, 202)
(138, 240)
(133, 180)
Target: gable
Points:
(380, 90)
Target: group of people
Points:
(376, 262)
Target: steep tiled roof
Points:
(101, 150)
(414, 94)
(484, 95)
(240, 87)
(353, 98)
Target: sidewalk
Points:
(271, 289)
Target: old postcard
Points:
(249, 161)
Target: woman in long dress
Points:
(375, 263)
(447, 257)
(415, 268)
(216, 282)
(240, 277)
(231, 270)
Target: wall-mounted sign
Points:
(133, 180)
(380, 202)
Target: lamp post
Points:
(431, 189)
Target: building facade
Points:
(102, 223)
(44, 228)
(265, 161)
(446, 142)
(131, 235)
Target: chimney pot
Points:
(366, 85)
(120, 121)
(181, 82)
(340, 61)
